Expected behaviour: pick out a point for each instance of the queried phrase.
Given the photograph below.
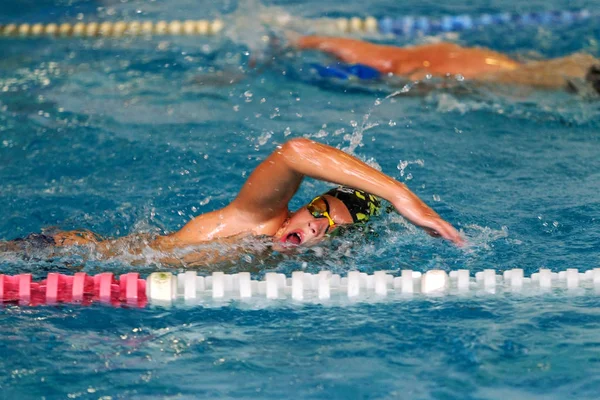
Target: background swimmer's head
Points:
(593, 77)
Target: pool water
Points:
(124, 136)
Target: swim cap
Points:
(360, 203)
(346, 71)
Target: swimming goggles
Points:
(319, 208)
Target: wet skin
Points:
(443, 59)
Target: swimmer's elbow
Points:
(349, 50)
(297, 148)
(308, 42)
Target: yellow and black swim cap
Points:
(362, 205)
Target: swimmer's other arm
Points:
(326, 163)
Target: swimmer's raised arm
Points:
(271, 186)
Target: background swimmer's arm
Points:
(276, 180)
(415, 62)
(347, 50)
(385, 59)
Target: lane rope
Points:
(165, 288)
(387, 26)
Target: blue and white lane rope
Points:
(409, 25)
(396, 26)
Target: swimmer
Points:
(261, 206)
(473, 63)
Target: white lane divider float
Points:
(302, 286)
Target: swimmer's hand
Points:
(445, 230)
(418, 213)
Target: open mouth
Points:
(294, 238)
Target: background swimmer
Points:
(473, 63)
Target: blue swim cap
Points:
(346, 71)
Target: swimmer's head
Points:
(325, 214)
(360, 204)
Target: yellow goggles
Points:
(319, 208)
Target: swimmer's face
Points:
(311, 223)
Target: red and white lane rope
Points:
(164, 288)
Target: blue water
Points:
(136, 136)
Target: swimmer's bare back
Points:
(441, 59)
(222, 249)
(547, 74)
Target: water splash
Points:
(249, 26)
(356, 137)
(402, 165)
(481, 237)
